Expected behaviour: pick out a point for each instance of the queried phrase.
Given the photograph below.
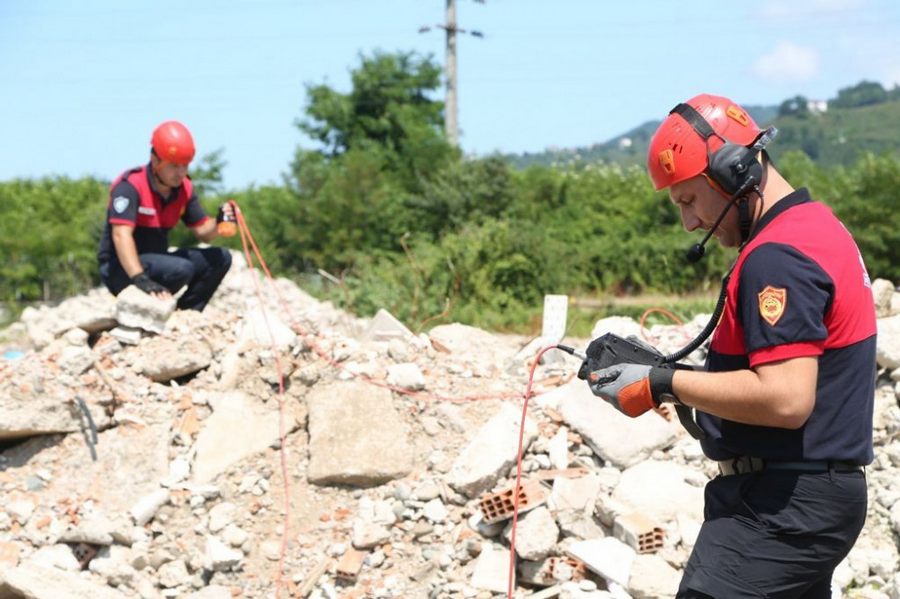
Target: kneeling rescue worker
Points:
(786, 397)
(145, 203)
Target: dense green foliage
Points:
(48, 232)
(397, 218)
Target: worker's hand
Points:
(226, 212)
(226, 220)
(143, 282)
(633, 388)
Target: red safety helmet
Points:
(677, 152)
(172, 142)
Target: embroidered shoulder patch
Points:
(120, 203)
(772, 301)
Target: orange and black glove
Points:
(633, 388)
(226, 219)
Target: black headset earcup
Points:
(731, 165)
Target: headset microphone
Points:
(696, 251)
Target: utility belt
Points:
(748, 464)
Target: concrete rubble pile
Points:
(145, 453)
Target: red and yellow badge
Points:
(772, 301)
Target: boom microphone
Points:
(697, 251)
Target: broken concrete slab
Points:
(616, 438)
(35, 581)
(578, 494)
(147, 506)
(356, 436)
(463, 339)
(492, 451)
(536, 534)
(608, 557)
(642, 485)
(888, 344)
(491, 571)
(165, 359)
(384, 326)
(137, 309)
(406, 376)
(883, 293)
(92, 312)
(126, 335)
(218, 447)
(651, 577)
(43, 404)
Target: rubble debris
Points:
(139, 310)
(639, 533)
(84, 553)
(499, 506)
(386, 487)
(350, 564)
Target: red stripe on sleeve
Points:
(785, 352)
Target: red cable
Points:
(248, 242)
(515, 518)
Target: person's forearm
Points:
(126, 250)
(207, 231)
(780, 396)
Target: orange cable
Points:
(245, 234)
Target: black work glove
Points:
(143, 282)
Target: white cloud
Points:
(787, 62)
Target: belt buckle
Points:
(741, 465)
(728, 467)
(752, 464)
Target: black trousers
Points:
(775, 534)
(201, 269)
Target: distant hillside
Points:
(840, 135)
(834, 137)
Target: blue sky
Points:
(84, 83)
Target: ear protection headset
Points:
(731, 165)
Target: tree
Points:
(864, 93)
(388, 107)
(380, 145)
(467, 191)
(48, 233)
(797, 106)
(206, 174)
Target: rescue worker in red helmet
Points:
(145, 203)
(786, 397)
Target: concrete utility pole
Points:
(451, 109)
(451, 122)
